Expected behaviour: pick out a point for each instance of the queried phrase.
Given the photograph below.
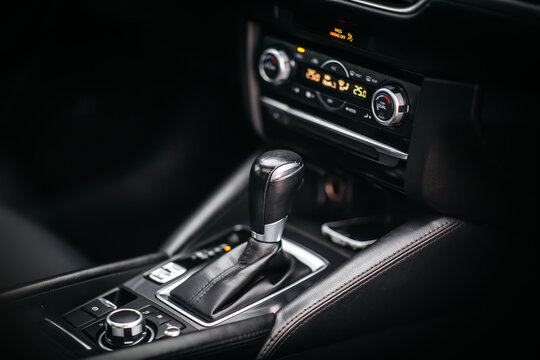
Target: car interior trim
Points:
(400, 247)
(315, 262)
(253, 92)
(395, 9)
(79, 276)
(380, 147)
(66, 332)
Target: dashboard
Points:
(405, 93)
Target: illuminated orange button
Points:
(300, 49)
(227, 248)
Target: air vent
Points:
(397, 6)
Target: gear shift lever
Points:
(259, 266)
(274, 180)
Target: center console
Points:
(240, 273)
(142, 310)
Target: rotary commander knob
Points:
(389, 105)
(274, 66)
(125, 327)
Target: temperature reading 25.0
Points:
(359, 91)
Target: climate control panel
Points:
(350, 90)
(362, 109)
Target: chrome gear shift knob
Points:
(274, 180)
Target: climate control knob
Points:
(274, 66)
(389, 105)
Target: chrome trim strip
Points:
(273, 231)
(284, 171)
(315, 262)
(257, 236)
(395, 9)
(79, 341)
(378, 146)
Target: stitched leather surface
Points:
(240, 277)
(407, 273)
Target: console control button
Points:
(172, 331)
(309, 94)
(296, 90)
(171, 328)
(166, 272)
(331, 102)
(352, 111)
(356, 74)
(315, 60)
(158, 317)
(304, 94)
(374, 78)
(99, 307)
(148, 310)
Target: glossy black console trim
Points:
(389, 8)
(80, 276)
(380, 148)
(69, 334)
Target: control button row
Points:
(165, 325)
(331, 102)
(89, 312)
(311, 57)
(366, 76)
(355, 73)
(316, 98)
(356, 113)
(154, 315)
(303, 93)
(209, 253)
(99, 307)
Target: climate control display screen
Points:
(335, 84)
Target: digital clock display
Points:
(335, 83)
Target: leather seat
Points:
(29, 253)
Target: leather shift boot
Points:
(238, 278)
